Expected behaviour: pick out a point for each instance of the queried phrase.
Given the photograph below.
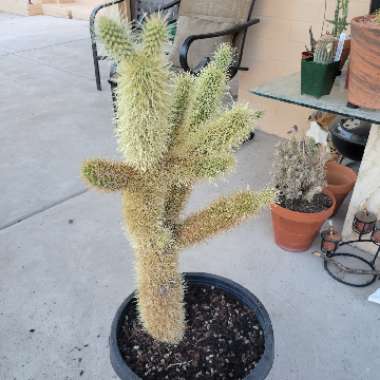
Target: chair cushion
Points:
(199, 49)
(236, 10)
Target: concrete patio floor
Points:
(65, 265)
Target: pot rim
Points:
(306, 217)
(358, 21)
(349, 175)
(263, 367)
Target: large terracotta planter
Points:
(364, 72)
(295, 231)
(340, 181)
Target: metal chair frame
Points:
(236, 31)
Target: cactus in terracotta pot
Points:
(303, 204)
(172, 132)
(299, 170)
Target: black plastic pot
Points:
(263, 367)
(350, 143)
(317, 79)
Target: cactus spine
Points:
(325, 50)
(169, 142)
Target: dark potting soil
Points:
(223, 340)
(319, 203)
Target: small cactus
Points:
(325, 49)
(172, 132)
(299, 169)
(340, 23)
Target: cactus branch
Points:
(224, 133)
(107, 175)
(183, 86)
(154, 35)
(210, 88)
(116, 38)
(221, 215)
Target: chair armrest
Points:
(95, 12)
(185, 47)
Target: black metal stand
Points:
(330, 261)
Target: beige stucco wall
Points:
(274, 48)
(20, 7)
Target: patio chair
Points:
(215, 21)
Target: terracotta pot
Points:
(364, 72)
(307, 55)
(295, 231)
(340, 181)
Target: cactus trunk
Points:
(160, 294)
(159, 283)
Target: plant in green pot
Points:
(173, 132)
(318, 75)
(303, 203)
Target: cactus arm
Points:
(207, 153)
(210, 88)
(143, 100)
(154, 35)
(107, 175)
(221, 215)
(225, 132)
(116, 38)
(183, 86)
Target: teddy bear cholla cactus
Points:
(299, 170)
(172, 132)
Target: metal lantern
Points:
(330, 239)
(376, 234)
(340, 264)
(364, 222)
